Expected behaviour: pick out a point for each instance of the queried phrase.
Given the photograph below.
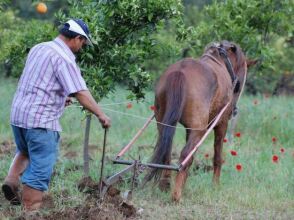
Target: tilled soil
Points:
(111, 207)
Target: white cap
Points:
(76, 27)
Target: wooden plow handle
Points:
(185, 161)
(126, 148)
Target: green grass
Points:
(263, 190)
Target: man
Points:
(49, 77)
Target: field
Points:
(263, 189)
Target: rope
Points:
(144, 118)
(107, 104)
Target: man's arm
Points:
(87, 101)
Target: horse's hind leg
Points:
(164, 183)
(182, 175)
(219, 134)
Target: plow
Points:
(136, 167)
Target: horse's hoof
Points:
(176, 196)
(215, 181)
(164, 185)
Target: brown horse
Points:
(192, 92)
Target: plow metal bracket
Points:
(115, 178)
(151, 165)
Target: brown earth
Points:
(7, 147)
(70, 154)
(48, 202)
(111, 207)
(202, 166)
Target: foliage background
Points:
(136, 40)
(263, 190)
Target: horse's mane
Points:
(212, 49)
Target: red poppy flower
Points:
(234, 153)
(129, 105)
(152, 107)
(274, 139)
(282, 150)
(266, 96)
(275, 159)
(225, 140)
(239, 167)
(238, 134)
(206, 156)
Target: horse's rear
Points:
(192, 92)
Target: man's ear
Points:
(77, 37)
(250, 62)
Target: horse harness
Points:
(235, 82)
(234, 78)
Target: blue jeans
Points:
(41, 145)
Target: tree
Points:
(122, 36)
(255, 25)
(15, 44)
(2, 4)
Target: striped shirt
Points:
(49, 76)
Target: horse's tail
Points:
(175, 93)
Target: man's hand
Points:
(87, 101)
(68, 101)
(105, 121)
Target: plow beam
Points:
(151, 165)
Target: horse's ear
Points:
(233, 48)
(250, 62)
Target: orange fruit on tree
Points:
(41, 8)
